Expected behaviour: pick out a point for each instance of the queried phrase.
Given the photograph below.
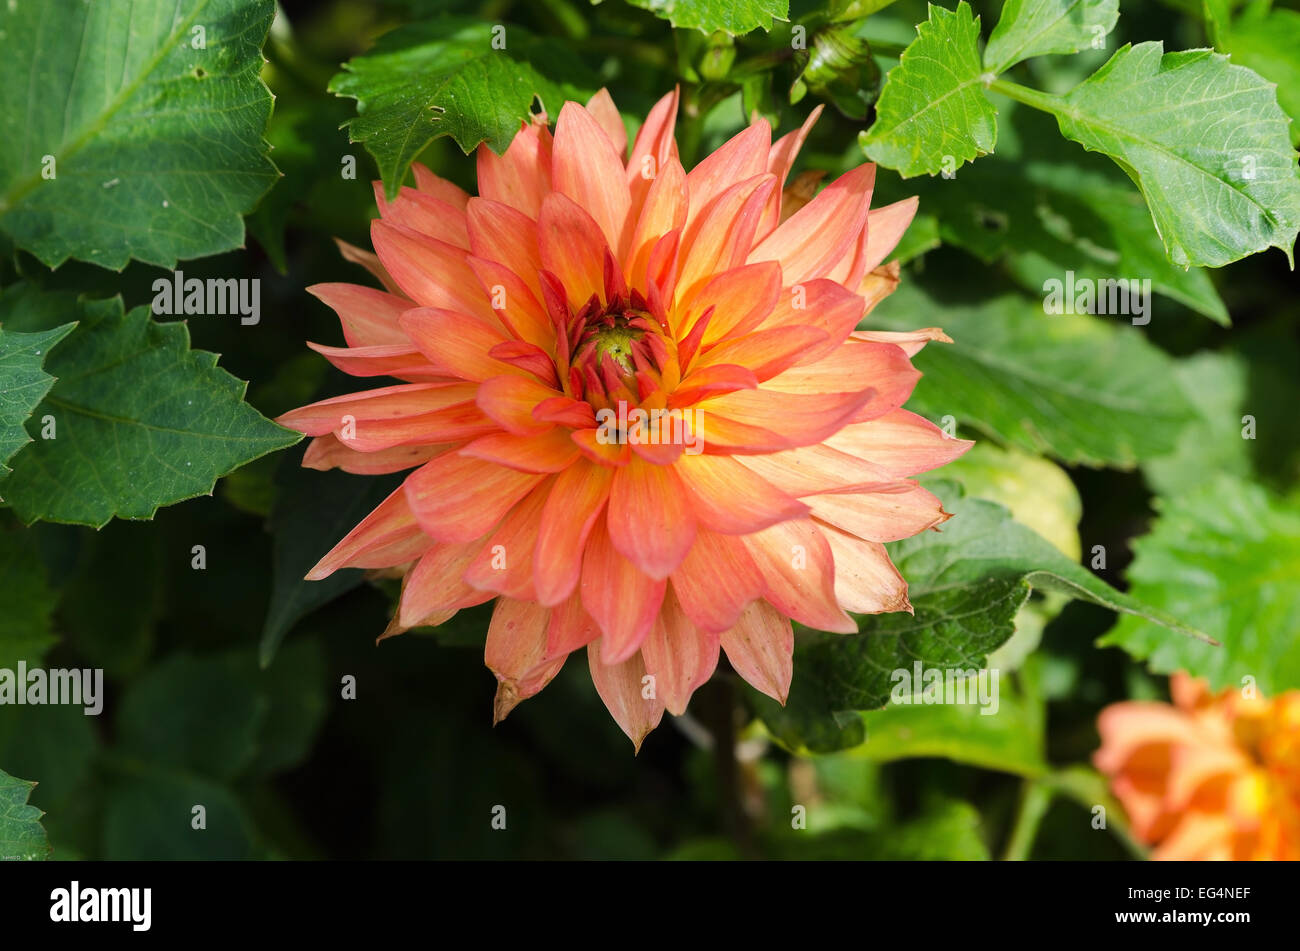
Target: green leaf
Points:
(197, 713)
(732, 16)
(1010, 739)
(142, 420)
(313, 511)
(1016, 373)
(157, 145)
(966, 584)
(26, 599)
(933, 115)
(446, 77)
(1044, 207)
(1225, 553)
(149, 817)
(1268, 44)
(1029, 28)
(1037, 491)
(1204, 140)
(23, 384)
(21, 835)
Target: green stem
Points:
(1035, 798)
(1030, 97)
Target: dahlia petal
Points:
(620, 687)
(721, 239)
(456, 344)
(822, 304)
(573, 248)
(369, 316)
(327, 452)
(799, 574)
(550, 451)
(575, 502)
(732, 499)
(588, 168)
(436, 187)
(900, 442)
(787, 419)
(1192, 768)
(451, 425)
(883, 514)
(565, 411)
(885, 227)
(510, 401)
(678, 657)
(504, 563)
(602, 109)
(431, 272)
(423, 213)
(741, 299)
(760, 646)
(514, 303)
(435, 584)
(390, 526)
(650, 522)
(741, 157)
(707, 381)
(879, 284)
(398, 360)
(516, 642)
(622, 599)
(654, 147)
(909, 341)
(780, 159)
(814, 239)
(891, 374)
(458, 498)
(716, 581)
(498, 232)
(521, 176)
(663, 210)
(385, 403)
(866, 581)
(766, 352)
(814, 470)
(1127, 727)
(370, 261)
(571, 627)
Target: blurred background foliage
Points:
(226, 684)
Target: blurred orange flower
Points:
(1210, 777)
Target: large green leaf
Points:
(966, 584)
(1226, 556)
(1029, 28)
(21, 835)
(1266, 41)
(142, 421)
(730, 16)
(1043, 207)
(1023, 376)
(1204, 140)
(933, 115)
(450, 77)
(157, 145)
(23, 384)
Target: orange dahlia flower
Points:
(640, 414)
(1208, 777)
